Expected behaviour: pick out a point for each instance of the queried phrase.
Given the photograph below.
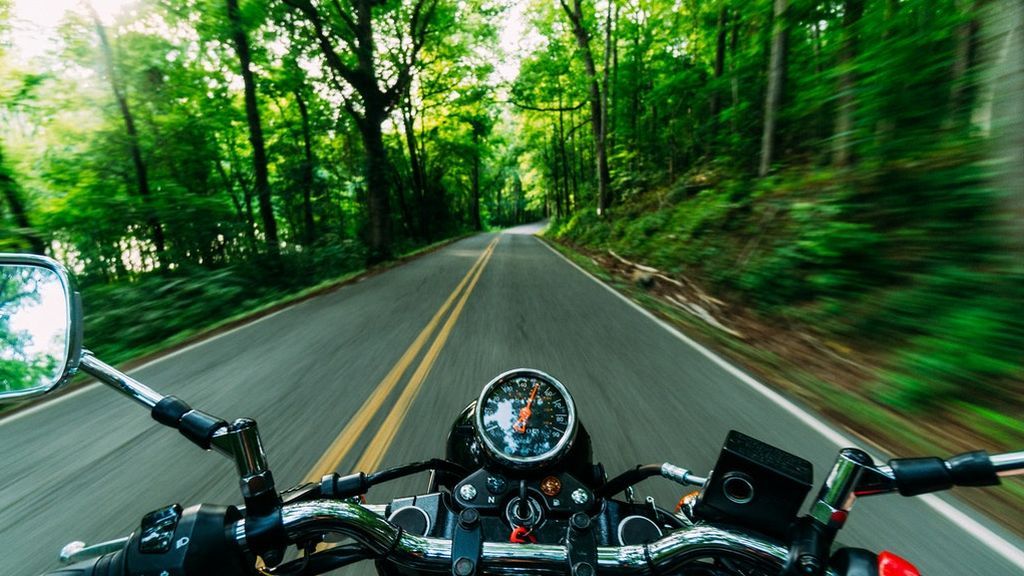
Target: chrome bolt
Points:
(580, 521)
(463, 567)
(583, 569)
(467, 492)
(580, 496)
(469, 518)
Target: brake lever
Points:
(77, 551)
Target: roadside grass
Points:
(127, 358)
(889, 431)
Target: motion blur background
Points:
(835, 189)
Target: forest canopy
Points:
(850, 165)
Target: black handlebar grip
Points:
(916, 476)
(107, 565)
(973, 469)
(169, 411)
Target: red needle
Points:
(524, 414)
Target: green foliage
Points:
(162, 101)
(888, 229)
(882, 221)
(126, 317)
(919, 271)
(967, 353)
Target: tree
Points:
(842, 153)
(719, 69)
(252, 113)
(598, 103)
(371, 90)
(776, 82)
(10, 193)
(1003, 115)
(9, 189)
(141, 171)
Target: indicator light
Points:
(551, 486)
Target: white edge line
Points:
(980, 532)
(85, 388)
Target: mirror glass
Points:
(35, 333)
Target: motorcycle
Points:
(517, 492)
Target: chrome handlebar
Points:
(1009, 464)
(303, 520)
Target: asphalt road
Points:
(87, 467)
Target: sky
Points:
(516, 39)
(46, 320)
(36, 21)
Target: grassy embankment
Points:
(885, 300)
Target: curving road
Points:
(399, 354)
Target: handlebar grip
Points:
(111, 564)
(916, 476)
(973, 469)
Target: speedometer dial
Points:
(526, 418)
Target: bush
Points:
(968, 345)
(132, 315)
(902, 255)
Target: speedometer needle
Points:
(524, 414)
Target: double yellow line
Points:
(385, 435)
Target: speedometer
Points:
(526, 418)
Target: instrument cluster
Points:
(534, 482)
(526, 419)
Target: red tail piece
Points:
(890, 564)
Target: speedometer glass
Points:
(526, 417)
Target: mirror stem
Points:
(121, 382)
(239, 441)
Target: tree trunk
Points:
(573, 165)
(614, 94)
(252, 115)
(378, 201)
(597, 105)
(842, 152)
(963, 61)
(605, 90)
(9, 189)
(734, 78)
(822, 123)
(240, 210)
(776, 80)
(403, 204)
(475, 178)
(1001, 114)
(517, 194)
(635, 104)
(723, 23)
(563, 156)
(141, 173)
(308, 176)
(415, 166)
(555, 180)
(499, 213)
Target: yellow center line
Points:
(378, 447)
(348, 436)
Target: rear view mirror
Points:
(40, 327)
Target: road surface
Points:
(88, 466)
